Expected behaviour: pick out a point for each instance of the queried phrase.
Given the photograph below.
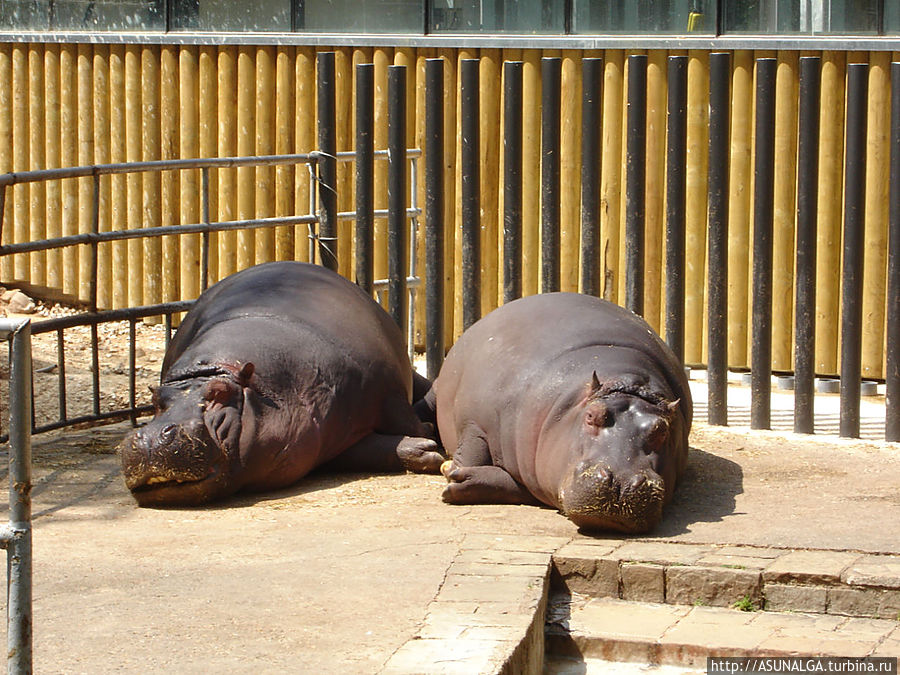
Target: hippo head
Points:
(186, 454)
(624, 470)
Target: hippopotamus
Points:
(567, 400)
(274, 371)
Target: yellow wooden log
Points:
(68, 123)
(786, 92)
(828, 258)
(381, 57)
(37, 191)
(85, 157)
(531, 171)
(246, 145)
(170, 181)
(118, 190)
(611, 175)
(102, 156)
(189, 181)
(6, 151)
(208, 142)
(570, 170)
(418, 109)
(621, 165)
(360, 55)
(305, 135)
(54, 188)
(739, 206)
(343, 71)
(150, 148)
(450, 207)
(491, 179)
(457, 225)
(284, 144)
(226, 97)
(21, 230)
(134, 181)
(654, 194)
(695, 214)
(265, 145)
(876, 217)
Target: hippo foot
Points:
(482, 485)
(420, 455)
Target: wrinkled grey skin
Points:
(274, 371)
(567, 400)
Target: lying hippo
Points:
(568, 400)
(274, 371)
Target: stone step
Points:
(584, 628)
(561, 665)
(844, 583)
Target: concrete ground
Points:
(336, 574)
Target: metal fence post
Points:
(635, 182)
(512, 180)
(434, 216)
(16, 536)
(591, 140)
(397, 193)
(327, 160)
(365, 175)
(471, 192)
(551, 78)
(676, 156)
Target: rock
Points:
(19, 303)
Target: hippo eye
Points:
(657, 435)
(168, 432)
(598, 416)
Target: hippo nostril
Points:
(168, 432)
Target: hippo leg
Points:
(383, 453)
(474, 480)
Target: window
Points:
(361, 16)
(228, 15)
(807, 17)
(497, 16)
(635, 16)
(83, 15)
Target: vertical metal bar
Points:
(807, 198)
(763, 224)
(512, 180)
(551, 82)
(471, 192)
(204, 239)
(313, 167)
(95, 228)
(95, 369)
(365, 175)
(717, 328)
(168, 321)
(19, 566)
(676, 156)
(434, 216)
(591, 139)
(892, 369)
(61, 373)
(132, 367)
(411, 257)
(397, 193)
(327, 161)
(854, 236)
(635, 176)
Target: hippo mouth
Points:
(175, 491)
(600, 502)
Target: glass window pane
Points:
(231, 15)
(639, 16)
(102, 15)
(497, 16)
(891, 16)
(361, 16)
(807, 17)
(24, 15)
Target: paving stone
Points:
(871, 602)
(797, 625)
(809, 567)
(882, 571)
(876, 629)
(749, 552)
(791, 598)
(489, 588)
(642, 582)
(612, 618)
(661, 553)
(448, 657)
(716, 628)
(820, 646)
(545, 544)
(719, 587)
(497, 569)
(889, 646)
(503, 557)
(598, 577)
(587, 549)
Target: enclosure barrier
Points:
(15, 537)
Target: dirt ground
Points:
(333, 574)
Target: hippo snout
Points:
(597, 497)
(171, 463)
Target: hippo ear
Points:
(672, 407)
(221, 391)
(595, 383)
(245, 373)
